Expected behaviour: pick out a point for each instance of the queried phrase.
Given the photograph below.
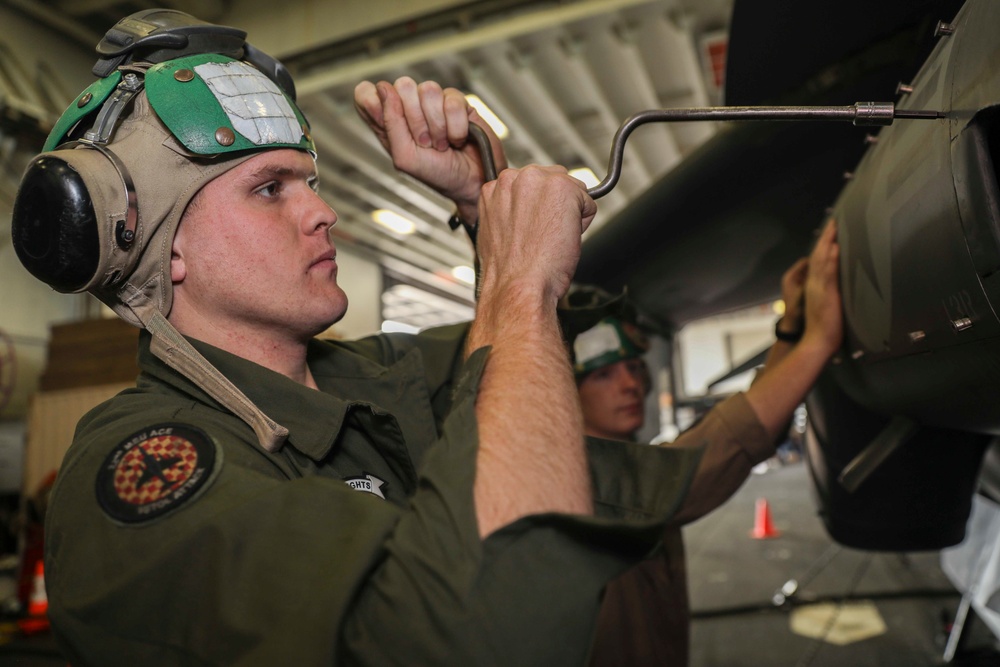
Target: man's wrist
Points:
(788, 331)
(817, 346)
(467, 209)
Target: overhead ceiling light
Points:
(464, 273)
(585, 174)
(393, 221)
(487, 114)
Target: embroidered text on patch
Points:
(153, 471)
(367, 483)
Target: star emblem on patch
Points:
(155, 470)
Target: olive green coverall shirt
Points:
(173, 538)
(645, 617)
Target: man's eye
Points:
(269, 190)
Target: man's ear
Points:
(178, 269)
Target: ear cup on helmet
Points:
(54, 227)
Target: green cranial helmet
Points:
(178, 103)
(184, 102)
(609, 341)
(600, 328)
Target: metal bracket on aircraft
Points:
(860, 113)
(895, 433)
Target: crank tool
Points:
(861, 114)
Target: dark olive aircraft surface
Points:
(900, 422)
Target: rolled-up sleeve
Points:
(734, 441)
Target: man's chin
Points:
(336, 314)
(630, 427)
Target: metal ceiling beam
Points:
(557, 121)
(675, 69)
(20, 88)
(609, 51)
(634, 172)
(432, 249)
(519, 131)
(79, 8)
(461, 291)
(398, 258)
(337, 74)
(57, 21)
(353, 229)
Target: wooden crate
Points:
(90, 353)
(52, 418)
(88, 362)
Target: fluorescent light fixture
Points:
(586, 175)
(464, 273)
(393, 221)
(391, 326)
(487, 114)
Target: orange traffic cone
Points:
(38, 604)
(762, 527)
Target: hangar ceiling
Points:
(562, 75)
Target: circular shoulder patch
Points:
(155, 471)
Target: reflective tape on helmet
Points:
(213, 104)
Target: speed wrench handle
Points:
(860, 113)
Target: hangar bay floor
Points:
(850, 607)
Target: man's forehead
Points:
(281, 162)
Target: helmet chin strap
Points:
(174, 350)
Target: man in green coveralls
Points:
(645, 616)
(264, 498)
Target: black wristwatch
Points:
(455, 222)
(788, 337)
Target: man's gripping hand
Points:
(425, 129)
(532, 222)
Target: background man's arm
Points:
(743, 431)
(785, 384)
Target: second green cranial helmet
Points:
(609, 341)
(178, 103)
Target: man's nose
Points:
(320, 215)
(627, 379)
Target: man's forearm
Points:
(532, 456)
(777, 392)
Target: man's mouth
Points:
(328, 256)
